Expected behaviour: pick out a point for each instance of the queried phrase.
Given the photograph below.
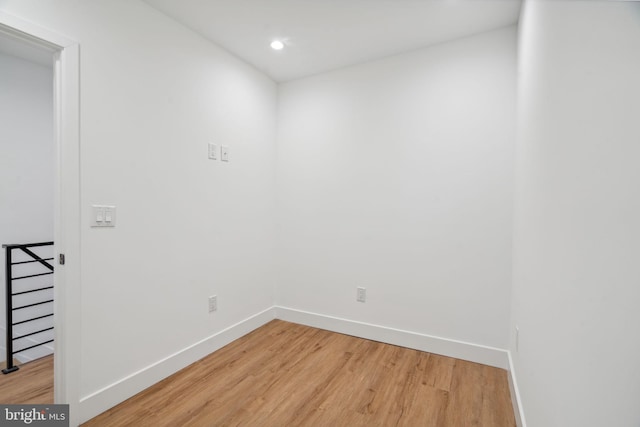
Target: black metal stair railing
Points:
(9, 266)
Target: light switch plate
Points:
(103, 216)
(224, 153)
(213, 151)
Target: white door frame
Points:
(67, 278)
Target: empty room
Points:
(315, 213)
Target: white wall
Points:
(397, 175)
(26, 185)
(577, 235)
(153, 94)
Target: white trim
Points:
(67, 278)
(117, 392)
(459, 349)
(67, 202)
(109, 396)
(516, 400)
(29, 32)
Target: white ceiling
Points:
(322, 35)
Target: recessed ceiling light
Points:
(277, 45)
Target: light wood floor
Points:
(32, 383)
(285, 374)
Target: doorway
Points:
(26, 194)
(64, 57)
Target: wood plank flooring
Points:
(285, 374)
(32, 383)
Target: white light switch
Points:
(108, 214)
(213, 151)
(224, 153)
(103, 216)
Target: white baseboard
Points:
(26, 356)
(447, 347)
(516, 402)
(101, 400)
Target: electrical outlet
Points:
(361, 294)
(517, 339)
(213, 303)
